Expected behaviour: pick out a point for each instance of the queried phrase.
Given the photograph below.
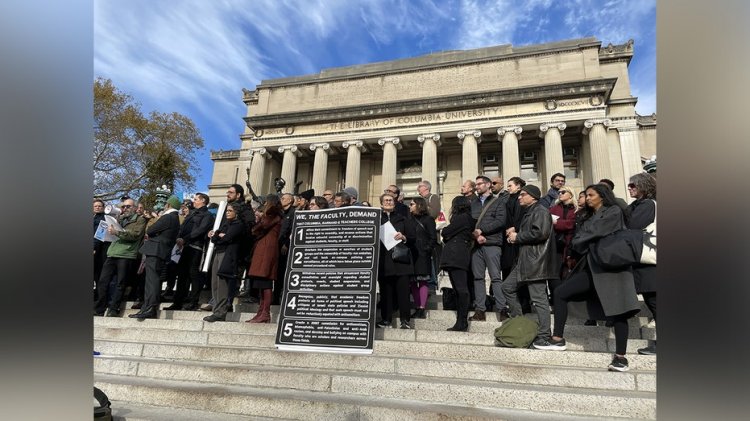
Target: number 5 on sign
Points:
(288, 329)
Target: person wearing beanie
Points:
(353, 194)
(536, 264)
(160, 239)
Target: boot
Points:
(264, 313)
(258, 313)
(462, 313)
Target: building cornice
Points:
(620, 52)
(433, 61)
(225, 155)
(602, 86)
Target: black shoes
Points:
(458, 328)
(550, 344)
(141, 316)
(174, 306)
(419, 313)
(384, 324)
(113, 313)
(504, 315)
(137, 305)
(589, 322)
(213, 318)
(649, 350)
(191, 307)
(478, 316)
(406, 325)
(618, 364)
(96, 313)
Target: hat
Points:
(174, 202)
(307, 194)
(533, 191)
(351, 191)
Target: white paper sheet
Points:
(387, 231)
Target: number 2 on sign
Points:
(288, 329)
(298, 257)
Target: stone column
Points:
(630, 149)
(258, 168)
(320, 166)
(553, 153)
(470, 157)
(389, 144)
(509, 137)
(597, 132)
(354, 153)
(429, 144)
(289, 166)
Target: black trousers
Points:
(399, 285)
(460, 282)
(650, 299)
(113, 266)
(579, 287)
(189, 282)
(155, 274)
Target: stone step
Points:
(231, 352)
(436, 320)
(129, 411)
(304, 372)
(356, 397)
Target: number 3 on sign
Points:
(288, 329)
(294, 282)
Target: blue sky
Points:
(195, 56)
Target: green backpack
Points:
(517, 332)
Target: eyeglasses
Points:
(327, 194)
(495, 183)
(631, 186)
(389, 191)
(126, 206)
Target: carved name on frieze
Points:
(415, 119)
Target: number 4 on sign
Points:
(292, 303)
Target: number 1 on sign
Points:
(300, 234)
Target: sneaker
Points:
(589, 322)
(649, 350)
(550, 344)
(618, 364)
(405, 325)
(419, 313)
(207, 307)
(384, 324)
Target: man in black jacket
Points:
(192, 239)
(537, 263)
(160, 239)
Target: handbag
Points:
(618, 250)
(449, 298)
(648, 255)
(401, 254)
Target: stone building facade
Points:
(530, 111)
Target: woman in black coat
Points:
(426, 238)
(642, 187)
(610, 294)
(394, 275)
(227, 242)
(456, 257)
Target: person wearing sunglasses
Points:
(121, 258)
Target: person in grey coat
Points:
(609, 295)
(537, 261)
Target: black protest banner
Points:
(329, 296)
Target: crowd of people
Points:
(535, 248)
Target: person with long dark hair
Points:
(610, 294)
(564, 223)
(426, 239)
(264, 265)
(393, 275)
(456, 257)
(642, 187)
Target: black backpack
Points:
(103, 412)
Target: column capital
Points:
(515, 129)
(293, 148)
(588, 124)
(431, 136)
(396, 141)
(260, 152)
(326, 147)
(561, 126)
(356, 143)
(463, 133)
